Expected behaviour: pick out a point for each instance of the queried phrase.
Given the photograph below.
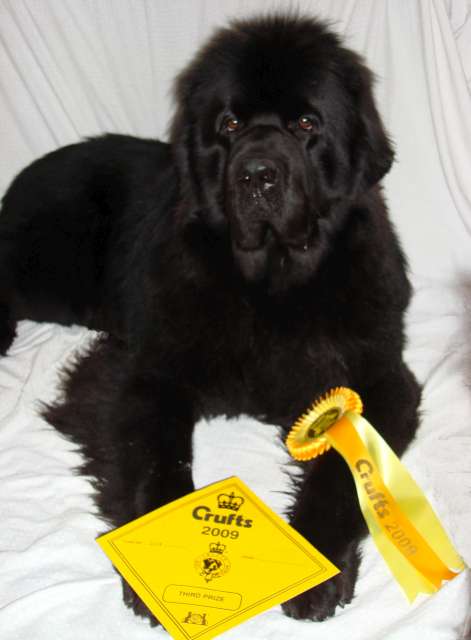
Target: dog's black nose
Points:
(258, 173)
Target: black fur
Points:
(245, 268)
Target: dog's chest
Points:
(265, 362)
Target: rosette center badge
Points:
(307, 438)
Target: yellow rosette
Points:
(402, 523)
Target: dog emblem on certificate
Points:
(213, 564)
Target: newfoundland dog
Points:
(244, 268)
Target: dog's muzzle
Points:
(257, 201)
(269, 206)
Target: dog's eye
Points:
(231, 124)
(307, 123)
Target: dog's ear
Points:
(179, 131)
(200, 171)
(373, 153)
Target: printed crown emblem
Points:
(230, 501)
(217, 547)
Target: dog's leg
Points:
(135, 431)
(327, 514)
(154, 424)
(392, 406)
(326, 511)
(133, 425)
(152, 430)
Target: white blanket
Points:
(70, 68)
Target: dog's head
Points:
(276, 124)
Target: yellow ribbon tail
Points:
(402, 523)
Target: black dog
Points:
(246, 268)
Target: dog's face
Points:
(276, 123)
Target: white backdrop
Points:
(71, 68)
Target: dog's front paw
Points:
(133, 601)
(320, 602)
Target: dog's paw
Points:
(133, 601)
(320, 602)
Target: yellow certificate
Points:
(214, 558)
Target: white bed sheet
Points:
(70, 68)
